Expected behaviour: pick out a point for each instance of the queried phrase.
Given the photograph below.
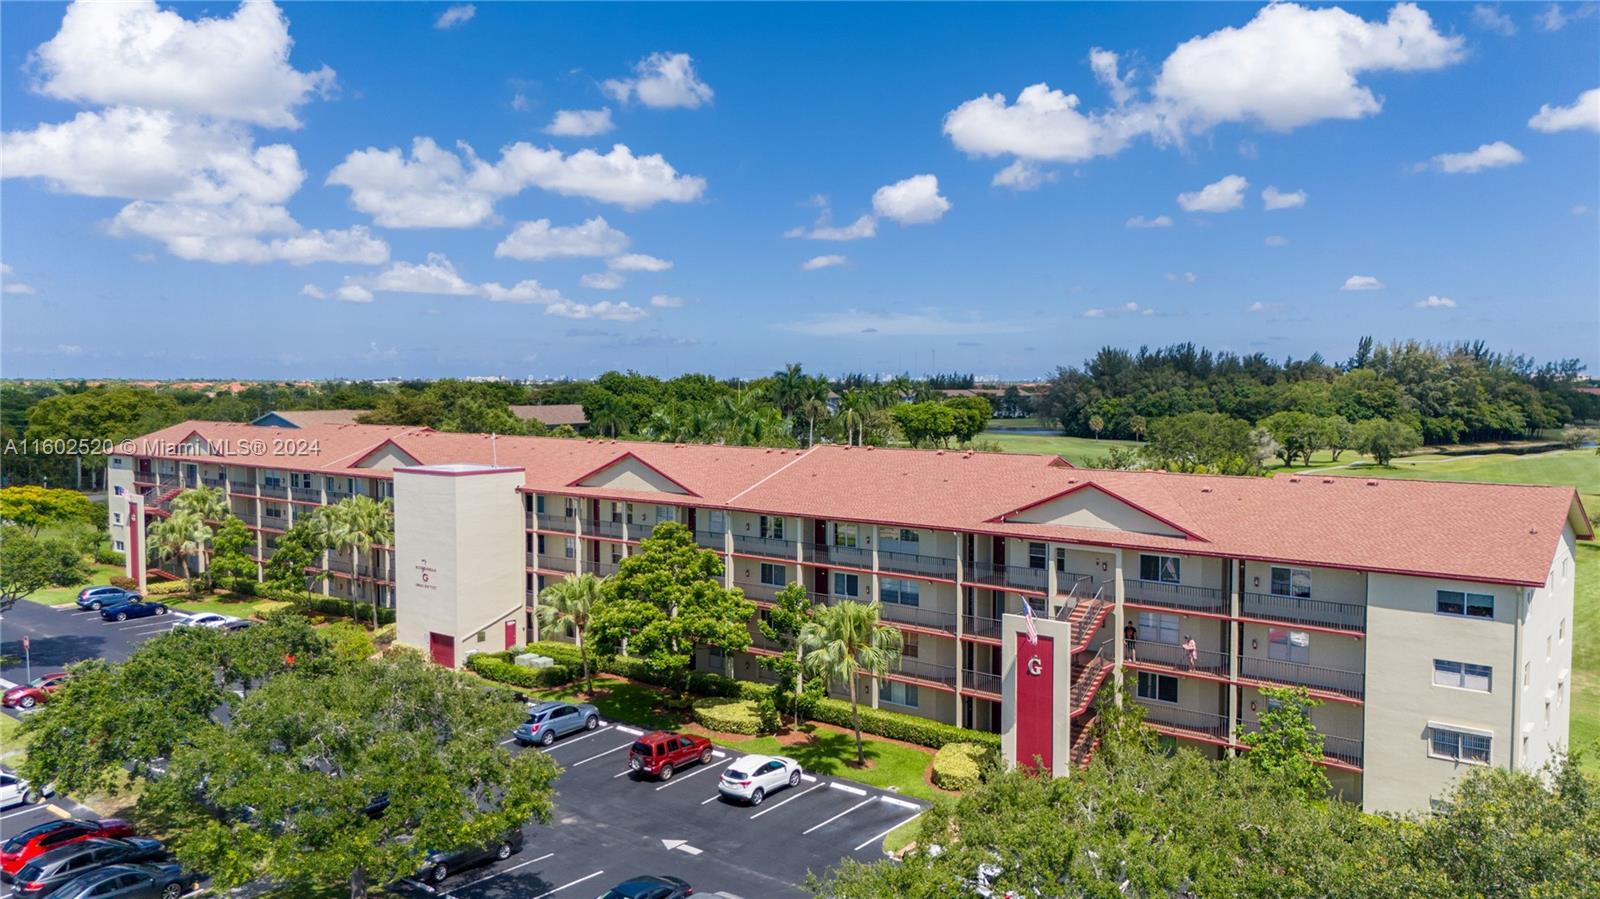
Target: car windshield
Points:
(733, 774)
(643, 748)
(29, 872)
(537, 717)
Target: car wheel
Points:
(666, 772)
(757, 796)
(27, 702)
(705, 757)
(504, 852)
(162, 611)
(28, 798)
(591, 722)
(172, 891)
(794, 778)
(548, 738)
(439, 873)
(122, 616)
(95, 605)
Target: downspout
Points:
(1517, 681)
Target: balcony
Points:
(603, 567)
(982, 681)
(845, 556)
(306, 494)
(927, 671)
(215, 482)
(1345, 750)
(1009, 577)
(245, 486)
(547, 522)
(1340, 616)
(609, 529)
(1172, 717)
(981, 626)
(144, 477)
(552, 563)
(1295, 674)
(764, 546)
(917, 616)
(755, 589)
(911, 563)
(712, 540)
(274, 491)
(1152, 654)
(1206, 600)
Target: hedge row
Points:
(492, 667)
(959, 766)
(727, 715)
(900, 726)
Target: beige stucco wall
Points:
(119, 473)
(631, 474)
(1547, 654)
(1092, 508)
(1326, 650)
(1330, 584)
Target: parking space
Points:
(59, 636)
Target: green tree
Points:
(971, 417)
(1383, 439)
(367, 527)
(1338, 435)
(1287, 746)
(571, 602)
(231, 552)
(791, 611)
(1297, 435)
(299, 549)
(845, 642)
(82, 420)
(29, 564)
(925, 424)
(180, 536)
(1202, 442)
(209, 503)
(279, 792)
(1097, 424)
(38, 507)
(667, 600)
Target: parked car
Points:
(650, 886)
(26, 845)
(238, 625)
(15, 790)
(441, 865)
(148, 881)
(206, 619)
(133, 608)
(34, 692)
(753, 777)
(660, 753)
(97, 598)
(59, 867)
(548, 720)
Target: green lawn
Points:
(894, 767)
(56, 596)
(1076, 450)
(11, 744)
(621, 700)
(230, 604)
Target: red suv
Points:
(661, 753)
(21, 847)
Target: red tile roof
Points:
(1497, 533)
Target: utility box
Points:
(532, 660)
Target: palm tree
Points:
(813, 408)
(570, 601)
(183, 534)
(358, 525)
(1138, 425)
(790, 388)
(1097, 424)
(206, 504)
(845, 641)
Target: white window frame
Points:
(1156, 680)
(1162, 563)
(1155, 626)
(767, 576)
(1460, 737)
(846, 535)
(718, 521)
(844, 578)
(771, 527)
(901, 589)
(1293, 646)
(908, 694)
(1463, 676)
(1467, 598)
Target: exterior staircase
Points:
(1089, 672)
(1086, 618)
(1085, 740)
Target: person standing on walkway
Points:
(1191, 651)
(1130, 641)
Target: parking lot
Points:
(59, 636)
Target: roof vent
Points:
(1205, 489)
(1327, 480)
(938, 452)
(1294, 480)
(1372, 483)
(869, 447)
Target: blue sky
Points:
(239, 192)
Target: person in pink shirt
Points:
(1191, 651)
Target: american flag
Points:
(1033, 632)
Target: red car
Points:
(660, 753)
(35, 692)
(23, 846)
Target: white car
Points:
(207, 619)
(754, 777)
(16, 791)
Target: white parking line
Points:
(838, 816)
(599, 754)
(595, 733)
(623, 773)
(714, 797)
(24, 811)
(630, 730)
(809, 778)
(834, 784)
(790, 799)
(900, 802)
(684, 777)
(570, 884)
(880, 836)
(474, 883)
(509, 740)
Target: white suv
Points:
(16, 791)
(754, 776)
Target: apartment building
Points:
(1433, 620)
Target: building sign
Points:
(426, 575)
(1035, 702)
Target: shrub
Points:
(384, 636)
(767, 711)
(124, 582)
(105, 555)
(728, 715)
(898, 726)
(327, 606)
(167, 588)
(350, 641)
(496, 666)
(959, 766)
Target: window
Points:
(273, 510)
(569, 507)
(719, 521)
(903, 540)
(1462, 675)
(1469, 605)
(1561, 631)
(772, 527)
(538, 504)
(902, 591)
(1159, 568)
(845, 535)
(616, 553)
(909, 646)
(616, 513)
(1038, 554)
(666, 513)
(897, 693)
(540, 542)
(1458, 745)
(118, 490)
(1289, 646)
(119, 546)
(846, 584)
(1158, 627)
(1159, 687)
(774, 575)
(116, 518)
(569, 547)
(1291, 582)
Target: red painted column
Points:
(1035, 703)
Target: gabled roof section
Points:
(387, 454)
(1094, 506)
(631, 473)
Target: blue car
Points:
(548, 720)
(97, 598)
(134, 607)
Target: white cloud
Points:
(456, 15)
(1583, 114)
(1490, 18)
(1223, 195)
(1257, 306)
(69, 349)
(913, 201)
(1276, 240)
(1043, 125)
(580, 122)
(353, 245)
(1272, 198)
(1292, 66)
(816, 262)
(1128, 308)
(605, 309)
(436, 276)
(538, 240)
(133, 54)
(1160, 221)
(1022, 174)
(1555, 18)
(529, 291)
(1104, 65)
(1436, 303)
(662, 301)
(602, 281)
(313, 291)
(1580, 209)
(436, 188)
(1362, 282)
(232, 233)
(923, 323)
(13, 286)
(662, 80)
(1487, 156)
(1186, 277)
(637, 262)
(863, 227)
(353, 293)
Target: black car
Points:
(59, 866)
(650, 886)
(150, 881)
(442, 864)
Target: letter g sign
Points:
(1035, 667)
